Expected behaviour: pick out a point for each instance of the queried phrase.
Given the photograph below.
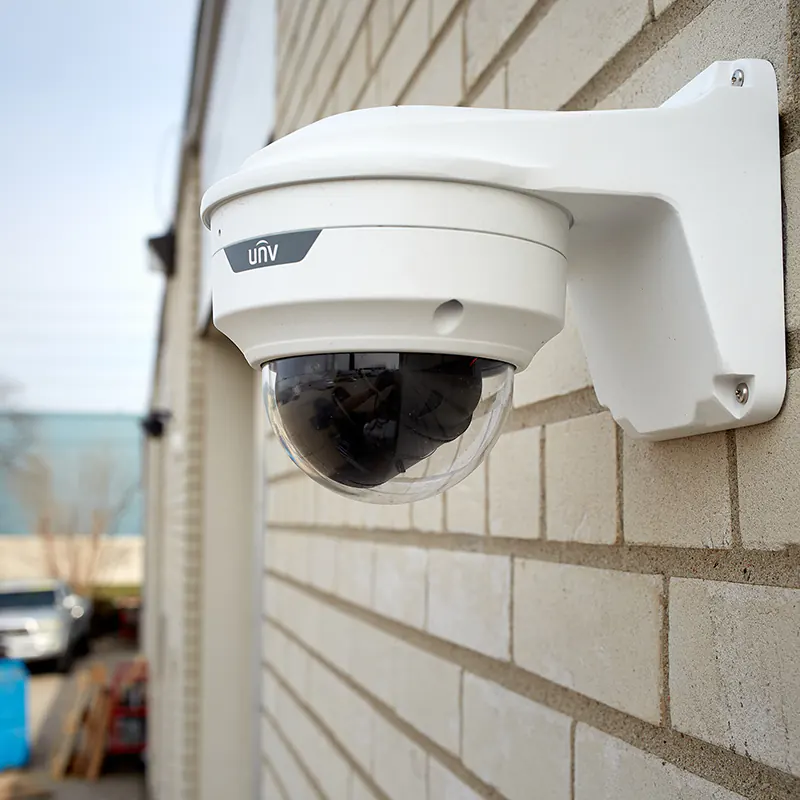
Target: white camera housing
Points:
(457, 230)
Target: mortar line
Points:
(573, 726)
(719, 765)
(461, 714)
(275, 777)
(620, 446)
(644, 45)
(733, 488)
(322, 726)
(666, 712)
(651, 10)
(433, 45)
(289, 745)
(511, 610)
(543, 483)
(763, 567)
(428, 745)
(504, 53)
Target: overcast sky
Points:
(92, 97)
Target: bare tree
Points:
(74, 526)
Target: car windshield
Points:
(27, 599)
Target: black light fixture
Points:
(155, 423)
(162, 253)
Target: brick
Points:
(287, 553)
(676, 493)
(370, 98)
(322, 557)
(427, 691)
(400, 583)
(513, 743)
(443, 785)
(361, 791)
(399, 766)
(439, 82)
(387, 517)
(724, 31)
(569, 45)
(581, 480)
(468, 600)
(734, 681)
(274, 646)
(514, 485)
(374, 656)
(277, 462)
(355, 73)
(660, 6)
(269, 788)
(284, 763)
(494, 95)
(607, 768)
(330, 770)
(768, 459)
(333, 634)
(428, 515)
(269, 692)
(466, 503)
(405, 52)
(347, 715)
(592, 630)
(558, 368)
(790, 175)
(354, 571)
(380, 28)
(440, 11)
(489, 24)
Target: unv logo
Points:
(262, 253)
(280, 248)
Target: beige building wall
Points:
(587, 617)
(119, 559)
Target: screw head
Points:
(742, 393)
(737, 79)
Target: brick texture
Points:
(734, 651)
(768, 462)
(581, 484)
(609, 769)
(573, 41)
(593, 630)
(515, 485)
(587, 616)
(513, 743)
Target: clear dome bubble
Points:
(387, 427)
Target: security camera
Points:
(389, 270)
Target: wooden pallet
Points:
(82, 747)
(18, 786)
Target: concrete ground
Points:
(49, 699)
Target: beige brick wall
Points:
(587, 617)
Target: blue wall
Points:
(68, 442)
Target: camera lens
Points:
(387, 427)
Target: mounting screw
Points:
(737, 79)
(742, 393)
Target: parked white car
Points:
(43, 621)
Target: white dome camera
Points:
(390, 269)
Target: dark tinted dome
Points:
(361, 419)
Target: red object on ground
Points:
(127, 721)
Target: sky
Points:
(92, 99)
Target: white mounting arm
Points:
(675, 252)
